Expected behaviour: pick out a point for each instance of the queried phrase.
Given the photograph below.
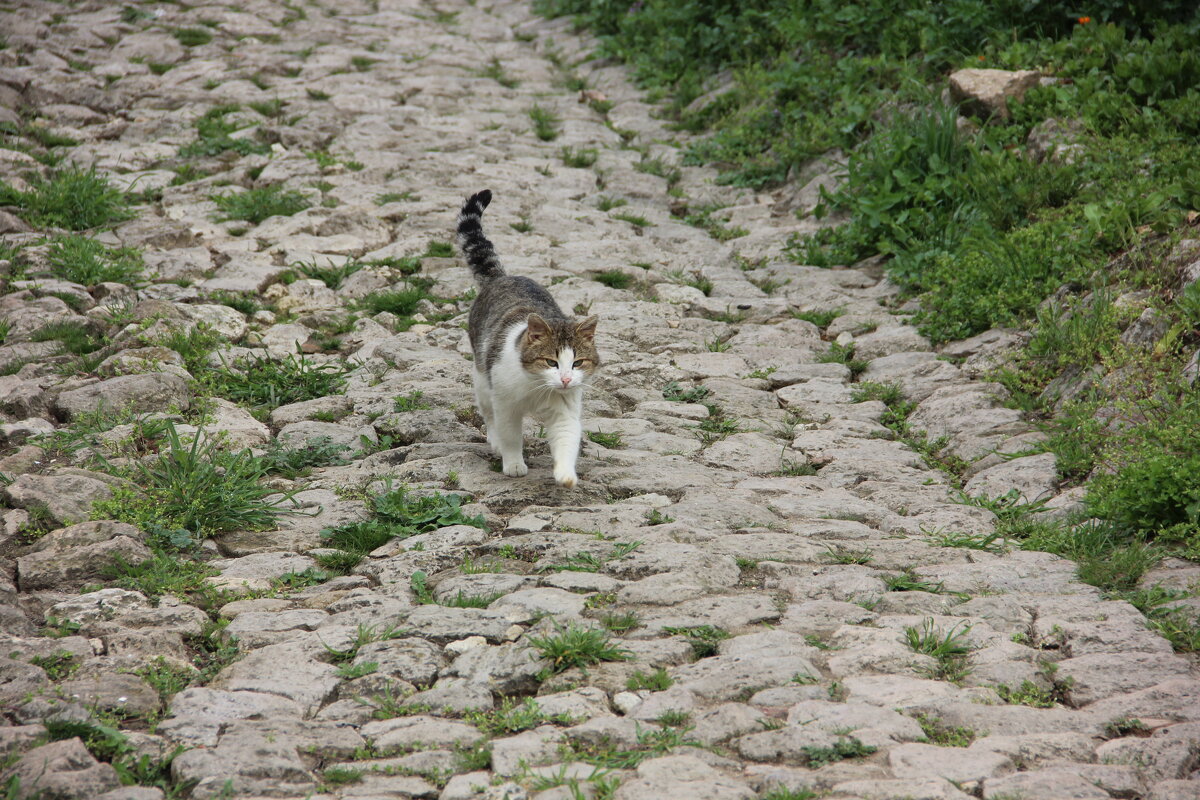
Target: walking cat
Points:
(531, 359)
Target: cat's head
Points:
(561, 353)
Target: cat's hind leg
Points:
(483, 401)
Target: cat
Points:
(531, 359)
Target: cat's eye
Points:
(550, 362)
(578, 364)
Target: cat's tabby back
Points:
(531, 359)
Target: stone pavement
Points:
(767, 557)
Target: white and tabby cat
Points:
(531, 359)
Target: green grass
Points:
(70, 198)
(394, 514)
(411, 402)
(614, 278)
(293, 462)
(612, 441)
(703, 638)
(76, 338)
(937, 732)
(635, 220)
(192, 37)
(581, 157)
(656, 681)
(266, 383)
(257, 205)
(577, 647)
(81, 259)
(545, 123)
(949, 648)
(332, 276)
(676, 392)
(197, 486)
(819, 318)
(606, 203)
(214, 131)
(701, 217)
(495, 71)
(513, 716)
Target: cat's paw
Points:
(566, 478)
(515, 469)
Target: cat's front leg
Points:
(510, 442)
(563, 435)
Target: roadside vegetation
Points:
(1067, 218)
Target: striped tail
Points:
(480, 254)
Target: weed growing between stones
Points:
(330, 275)
(704, 639)
(395, 514)
(214, 135)
(293, 462)
(937, 732)
(198, 487)
(83, 260)
(70, 198)
(410, 402)
(613, 278)
(264, 384)
(580, 158)
(612, 441)
(702, 217)
(257, 205)
(656, 681)
(948, 648)
(572, 646)
(545, 123)
(514, 716)
(106, 743)
(677, 393)
(819, 318)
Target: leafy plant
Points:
(81, 259)
(397, 514)
(257, 205)
(268, 383)
(198, 487)
(70, 198)
(704, 639)
(545, 123)
(572, 646)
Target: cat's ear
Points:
(537, 330)
(586, 329)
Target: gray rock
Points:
(1031, 477)
(1044, 785)
(403, 733)
(257, 572)
(441, 624)
(56, 569)
(62, 770)
(308, 433)
(154, 391)
(198, 714)
(508, 669)
(681, 776)
(986, 92)
(63, 499)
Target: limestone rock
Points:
(986, 92)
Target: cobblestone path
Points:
(759, 589)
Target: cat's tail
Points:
(480, 254)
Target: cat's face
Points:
(561, 354)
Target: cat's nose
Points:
(566, 381)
